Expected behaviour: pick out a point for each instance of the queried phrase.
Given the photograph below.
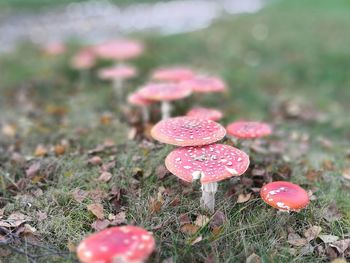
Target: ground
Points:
(287, 65)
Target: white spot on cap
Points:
(187, 167)
(231, 170)
(88, 254)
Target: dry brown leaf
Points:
(339, 260)
(313, 175)
(108, 166)
(71, 247)
(296, 240)
(33, 169)
(332, 213)
(242, 198)
(40, 151)
(118, 219)
(346, 173)
(253, 258)
(41, 216)
(97, 210)
(79, 195)
(155, 206)
(201, 220)
(161, 171)
(312, 232)
(218, 219)
(95, 160)
(341, 245)
(105, 177)
(14, 220)
(184, 219)
(189, 229)
(59, 149)
(99, 225)
(328, 238)
(9, 130)
(197, 240)
(106, 118)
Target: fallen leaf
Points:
(97, 195)
(346, 173)
(307, 249)
(189, 229)
(197, 240)
(184, 219)
(71, 247)
(59, 149)
(97, 210)
(14, 220)
(253, 258)
(242, 198)
(118, 219)
(99, 225)
(218, 219)
(161, 171)
(79, 195)
(332, 213)
(105, 177)
(40, 151)
(95, 160)
(9, 130)
(341, 245)
(41, 216)
(312, 232)
(155, 206)
(108, 166)
(106, 118)
(296, 240)
(313, 175)
(339, 260)
(328, 238)
(33, 169)
(201, 220)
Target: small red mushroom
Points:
(119, 50)
(117, 74)
(55, 48)
(284, 196)
(164, 92)
(137, 100)
(209, 163)
(248, 129)
(188, 131)
(205, 113)
(83, 61)
(172, 74)
(205, 84)
(124, 244)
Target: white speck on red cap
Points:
(212, 163)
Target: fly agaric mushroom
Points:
(284, 196)
(55, 49)
(83, 61)
(137, 100)
(124, 244)
(209, 163)
(248, 129)
(205, 84)
(164, 92)
(172, 74)
(188, 131)
(205, 113)
(119, 50)
(117, 74)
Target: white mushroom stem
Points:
(118, 88)
(83, 78)
(165, 109)
(208, 196)
(145, 114)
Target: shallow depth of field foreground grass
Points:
(288, 65)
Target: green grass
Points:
(303, 61)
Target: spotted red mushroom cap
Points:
(284, 196)
(205, 113)
(188, 131)
(164, 91)
(118, 72)
(84, 59)
(248, 129)
(119, 49)
(127, 244)
(205, 84)
(172, 74)
(211, 163)
(136, 99)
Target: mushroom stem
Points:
(145, 114)
(165, 109)
(83, 78)
(208, 196)
(118, 88)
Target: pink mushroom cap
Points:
(119, 49)
(118, 72)
(172, 74)
(187, 131)
(205, 113)
(212, 163)
(55, 48)
(136, 99)
(205, 84)
(127, 244)
(164, 91)
(284, 196)
(84, 59)
(248, 129)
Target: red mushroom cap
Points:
(118, 72)
(248, 129)
(205, 84)
(187, 131)
(117, 244)
(119, 49)
(84, 59)
(212, 163)
(205, 113)
(55, 48)
(136, 99)
(284, 196)
(164, 91)
(172, 74)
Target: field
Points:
(287, 65)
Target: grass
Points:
(302, 62)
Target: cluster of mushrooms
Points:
(199, 156)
